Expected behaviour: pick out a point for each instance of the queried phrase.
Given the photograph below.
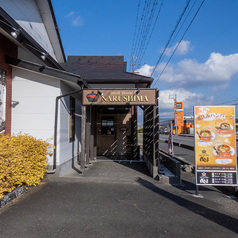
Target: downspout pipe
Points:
(56, 126)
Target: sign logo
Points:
(92, 97)
(204, 178)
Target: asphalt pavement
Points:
(112, 199)
(183, 148)
(186, 155)
(185, 139)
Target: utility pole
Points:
(133, 63)
(174, 97)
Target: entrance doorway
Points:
(106, 135)
(114, 132)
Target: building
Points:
(32, 78)
(112, 118)
(46, 96)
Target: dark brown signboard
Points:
(119, 97)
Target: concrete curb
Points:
(12, 195)
(189, 147)
(180, 159)
(186, 135)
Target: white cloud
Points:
(189, 100)
(217, 71)
(145, 70)
(76, 19)
(70, 14)
(183, 48)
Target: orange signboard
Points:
(178, 113)
(179, 116)
(215, 145)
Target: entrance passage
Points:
(114, 132)
(114, 171)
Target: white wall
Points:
(33, 110)
(68, 150)
(27, 15)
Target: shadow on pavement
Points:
(192, 186)
(137, 166)
(220, 218)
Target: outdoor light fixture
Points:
(137, 91)
(44, 55)
(100, 93)
(15, 33)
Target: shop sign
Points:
(215, 145)
(119, 97)
(178, 113)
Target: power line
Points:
(176, 26)
(149, 38)
(147, 25)
(181, 26)
(139, 30)
(222, 103)
(179, 42)
(132, 49)
(143, 33)
(226, 102)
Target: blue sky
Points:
(202, 71)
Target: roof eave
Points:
(25, 40)
(52, 72)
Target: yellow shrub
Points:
(23, 161)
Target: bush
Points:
(23, 161)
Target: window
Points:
(107, 126)
(72, 120)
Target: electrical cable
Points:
(137, 38)
(150, 36)
(179, 42)
(142, 37)
(133, 43)
(176, 26)
(179, 29)
(141, 34)
(146, 27)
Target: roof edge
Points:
(25, 40)
(57, 28)
(42, 69)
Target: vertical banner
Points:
(170, 141)
(2, 100)
(178, 113)
(215, 145)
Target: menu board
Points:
(215, 145)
